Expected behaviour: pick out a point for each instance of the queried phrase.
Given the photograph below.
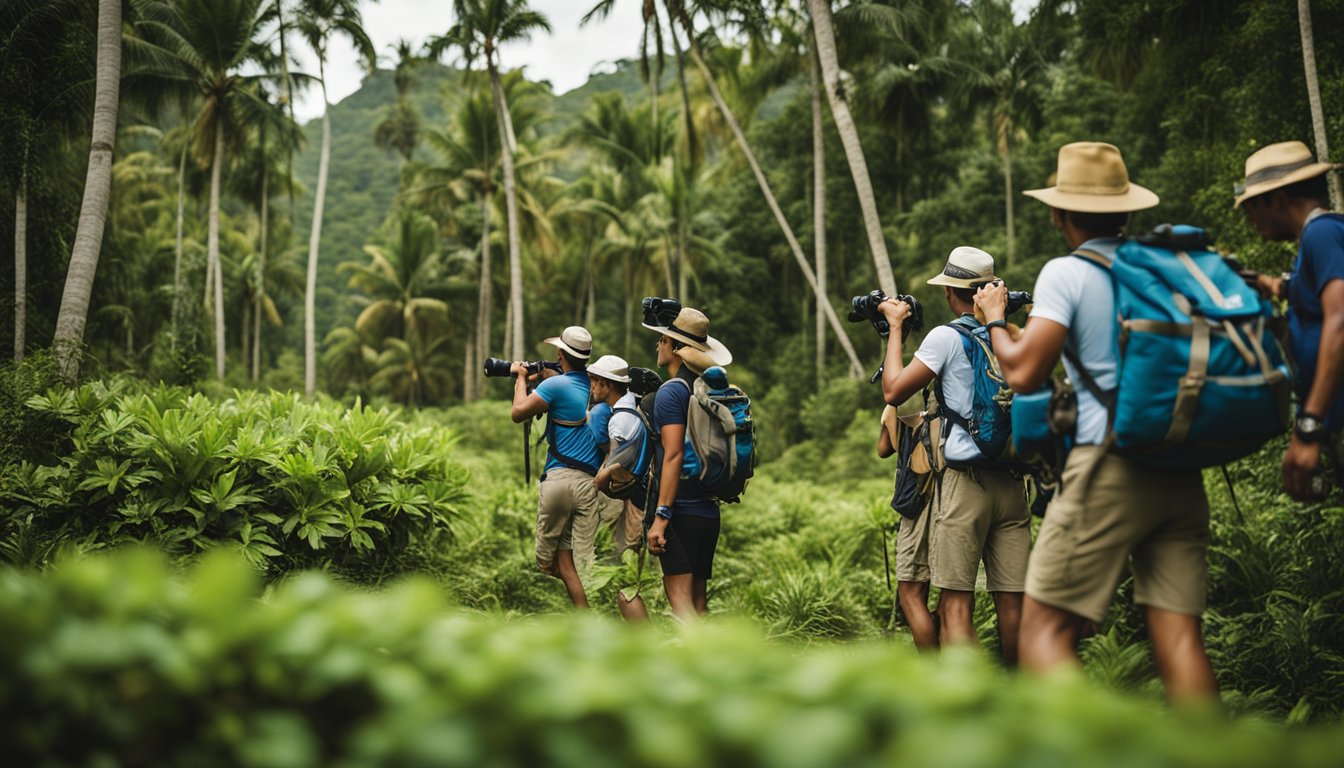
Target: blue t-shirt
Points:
(599, 416)
(670, 406)
(1320, 260)
(566, 399)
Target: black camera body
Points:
(659, 312)
(499, 368)
(865, 308)
(1017, 300)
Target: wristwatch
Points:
(1000, 323)
(1309, 428)
(664, 511)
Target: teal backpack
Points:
(990, 424)
(1201, 380)
(720, 447)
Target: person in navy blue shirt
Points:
(1285, 197)
(685, 529)
(568, 504)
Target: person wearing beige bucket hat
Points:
(1285, 196)
(978, 512)
(568, 505)
(1127, 514)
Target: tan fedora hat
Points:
(692, 329)
(967, 267)
(1091, 178)
(1275, 166)
(576, 340)
(610, 367)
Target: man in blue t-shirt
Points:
(685, 528)
(1285, 198)
(568, 505)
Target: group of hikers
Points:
(1171, 362)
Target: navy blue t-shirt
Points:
(1320, 260)
(566, 399)
(670, 406)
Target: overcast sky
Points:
(565, 57)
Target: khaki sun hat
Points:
(610, 367)
(576, 340)
(1091, 178)
(1275, 166)
(692, 329)
(967, 267)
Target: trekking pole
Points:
(527, 452)
(886, 560)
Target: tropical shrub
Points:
(289, 484)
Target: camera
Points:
(660, 312)
(498, 368)
(1016, 299)
(644, 381)
(865, 308)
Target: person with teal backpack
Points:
(1135, 501)
(978, 504)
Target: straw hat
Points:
(576, 340)
(692, 329)
(610, 367)
(1277, 165)
(967, 267)
(1091, 178)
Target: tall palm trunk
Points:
(212, 245)
(1314, 97)
(507, 145)
(1006, 153)
(20, 264)
(261, 271)
(74, 310)
(484, 298)
(794, 247)
(314, 238)
(469, 371)
(177, 247)
(819, 211)
(628, 280)
(687, 115)
(824, 34)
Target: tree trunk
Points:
(314, 238)
(246, 312)
(1006, 150)
(508, 328)
(819, 212)
(628, 279)
(506, 141)
(1314, 97)
(687, 115)
(468, 372)
(667, 266)
(20, 264)
(824, 33)
(590, 309)
(212, 245)
(69, 336)
(485, 298)
(177, 247)
(836, 327)
(261, 272)
(683, 271)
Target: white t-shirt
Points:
(624, 426)
(943, 353)
(1078, 295)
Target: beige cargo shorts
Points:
(569, 511)
(979, 515)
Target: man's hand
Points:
(518, 368)
(1269, 286)
(1301, 462)
(658, 536)
(992, 299)
(895, 311)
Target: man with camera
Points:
(1285, 198)
(1111, 511)
(568, 504)
(978, 508)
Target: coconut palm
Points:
(1314, 98)
(97, 190)
(483, 26)
(400, 281)
(399, 128)
(320, 21)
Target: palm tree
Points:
(1314, 98)
(97, 191)
(399, 128)
(400, 281)
(319, 21)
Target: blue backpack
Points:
(720, 447)
(990, 424)
(1201, 380)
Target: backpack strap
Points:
(949, 416)
(1105, 397)
(551, 424)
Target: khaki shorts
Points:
(1125, 511)
(627, 532)
(912, 548)
(569, 511)
(979, 515)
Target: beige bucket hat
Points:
(576, 340)
(967, 267)
(1091, 178)
(1275, 166)
(610, 367)
(692, 329)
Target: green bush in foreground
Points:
(113, 661)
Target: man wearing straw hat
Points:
(978, 509)
(1284, 196)
(568, 505)
(685, 528)
(1127, 513)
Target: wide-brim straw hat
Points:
(1275, 166)
(1091, 177)
(692, 329)
(610, 367)
(576, 340)
(967, 267)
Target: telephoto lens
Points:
(497, 368)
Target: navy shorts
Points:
(691, 541)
